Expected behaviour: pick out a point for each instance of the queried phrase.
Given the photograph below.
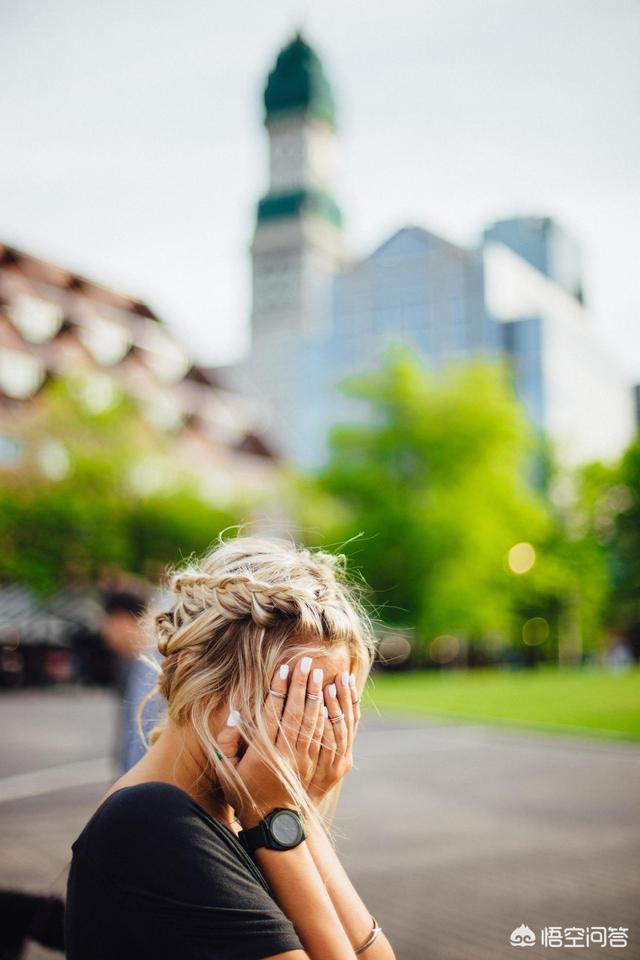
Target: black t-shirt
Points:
(154, 876)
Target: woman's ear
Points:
(229, 739)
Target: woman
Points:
(213, 846)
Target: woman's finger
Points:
(327, 756)
(346, 704)
(336, 717)
(328, 744)
(355, 699)
(275, 700)
(316, 740)
(313, 703)
(294, 704)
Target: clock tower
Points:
(297, 245)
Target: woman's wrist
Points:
(318, 794)
(252, 817)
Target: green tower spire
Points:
(300, 121)
(298, 83)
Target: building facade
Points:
(416, 289)
(319, 317)
(571, 389)
(297, 247)
(57, 325)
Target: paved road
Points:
(454, 835)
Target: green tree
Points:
(430, 494)
(76, 505)
(570, 584)
(439, 484)
(623, 498)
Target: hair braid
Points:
(246, 606)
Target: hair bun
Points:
(165, 629)
(264, 582)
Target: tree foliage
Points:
(75, 506)
(436, 485)
(622, 506)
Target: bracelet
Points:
(375, 933)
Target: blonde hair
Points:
(248, 605)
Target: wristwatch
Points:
(281, 829)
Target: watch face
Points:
(286, 828)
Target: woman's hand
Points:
(294, 720)
(336, 756)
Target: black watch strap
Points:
(281, 829)
(253, 838)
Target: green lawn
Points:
(585, 701)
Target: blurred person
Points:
(619, 655)
(12, 669)
(125, 637)
(215, 843)
(39, 917)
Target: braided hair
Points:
(246, 606)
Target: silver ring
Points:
(314, 696)
(337, 719)
(276, 693)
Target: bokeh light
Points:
(394, 650)
(445, 648)
(535, 631)
(521, 557)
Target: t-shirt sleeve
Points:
(182, 876)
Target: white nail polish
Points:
(345, 679)
(352, 680)
(326, 712)
(232, 720)
(283, 673)
(305, 664)
(332, 690)
(317, 675)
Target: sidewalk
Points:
(454, 835)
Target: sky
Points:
(133, 149)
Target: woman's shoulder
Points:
(145, 823)
(154, 837)
(151, 798)
(151, 851)
(149, 804)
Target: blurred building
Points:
(417, 289)
(319, 316)
(570, 386)
(546, 246)
(297, 246)
(56, 324)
